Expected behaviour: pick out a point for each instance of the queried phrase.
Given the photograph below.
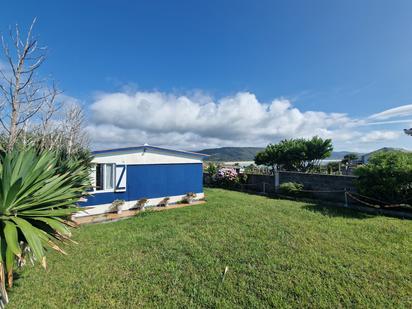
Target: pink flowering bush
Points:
(226, 177)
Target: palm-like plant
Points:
(36, 202)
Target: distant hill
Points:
(338, 155)
(230, 154)
(366, 157)
(387, 149)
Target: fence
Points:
(334, 188)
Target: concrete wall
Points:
(319, 182)
(311, 182)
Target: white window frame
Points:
(120, 180)
(103, 171)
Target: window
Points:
(108, 179)
(104, 177)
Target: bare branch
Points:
(4, 126)
(30, 109)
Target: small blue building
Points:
(143, 172)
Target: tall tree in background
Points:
(348, 158)
(317, 149)
(61, 126)
(295, 154)
(31, 108)
(271, 157)
(23, 93)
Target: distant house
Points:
(143, 172)
(365, 158)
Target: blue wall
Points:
(154, 181)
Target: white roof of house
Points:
(146, 155)
(147, 147)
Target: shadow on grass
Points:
(331, 210)
(326, 208)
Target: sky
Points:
(199, 74)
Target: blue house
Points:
(143, 172)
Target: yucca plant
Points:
(36, 203)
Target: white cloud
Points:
(198, 121)
(376, 136)
(400, 111)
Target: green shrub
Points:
(36, 202)
(387, 177)
(212, 168)
(290, 188)
(117, 205)
(140, 204)
(333, 167)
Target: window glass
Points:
(99, 177)
(104, 177)
(109, 176)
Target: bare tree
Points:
(46, 132)
(22, 93)
(61, 126)
(74, 133)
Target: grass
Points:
(279, 253)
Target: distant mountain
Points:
(233, 154)
(229, 154)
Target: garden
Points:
(384, 182)
(237, 250)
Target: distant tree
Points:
(349, 158)
(292, 154)
(317, 149)
(295, 154)
(271, 157)
(212, 168)
(261, 158)
(333, 168)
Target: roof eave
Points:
(126, 149)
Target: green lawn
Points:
(279, 254)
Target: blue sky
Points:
(137, 58)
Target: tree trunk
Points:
(3, 292)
